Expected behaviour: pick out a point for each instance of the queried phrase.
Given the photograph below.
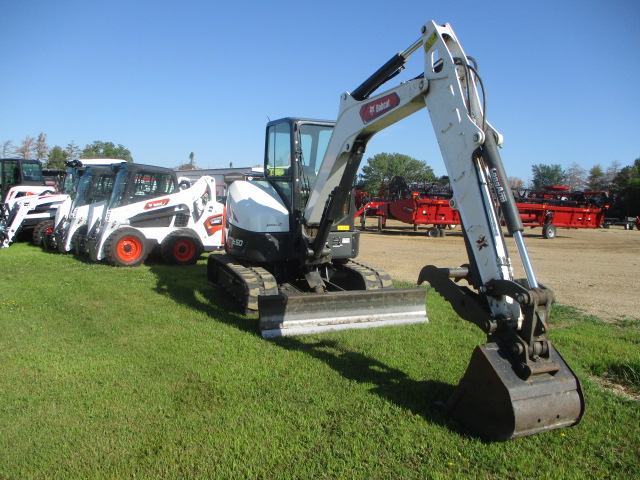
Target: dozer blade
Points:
(298, 314)
(492, 401)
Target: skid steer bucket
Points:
(497, 404)
(297, 314)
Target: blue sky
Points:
(166, 78)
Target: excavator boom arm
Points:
(448, 88)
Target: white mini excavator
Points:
(290, 243)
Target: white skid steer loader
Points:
(37, 211)
(148, 211)
(94, 189)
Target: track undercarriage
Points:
(356, 296)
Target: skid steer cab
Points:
(71, 222)
(20, 180)
(20, 177)
(281, 260)
(148, 211)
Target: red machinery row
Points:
(550, 208)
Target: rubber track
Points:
(256, 281)
(374, 278)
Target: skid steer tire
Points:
(40, 232)
(126, 247)
(78, 241)
(181, 248)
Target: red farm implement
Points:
(550, 208)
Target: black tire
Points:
(126, 247)
(181, 248)
(433, 232)
(549, 231)
(442, 232)
(49, 241)
(78, 241)
(41, 230)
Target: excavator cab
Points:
(294, 151)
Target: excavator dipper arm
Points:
(517, 383)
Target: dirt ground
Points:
(595, 270)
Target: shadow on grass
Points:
(422, 398)
(189, 286)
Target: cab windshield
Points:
(32, 172)
(140, 186)
(314, 140)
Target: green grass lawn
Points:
(144, 372)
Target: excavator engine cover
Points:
(304, 313)
(495, 403)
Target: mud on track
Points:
(595, 270)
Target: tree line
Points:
(55, 157)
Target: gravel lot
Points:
(595, 270)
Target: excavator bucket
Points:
(299, 313)
(497, 404)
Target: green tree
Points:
(596, 178)
(57, 157)
(381, 168)
(628, 187)
(100, 149)
(632, 197)
(547, 175)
